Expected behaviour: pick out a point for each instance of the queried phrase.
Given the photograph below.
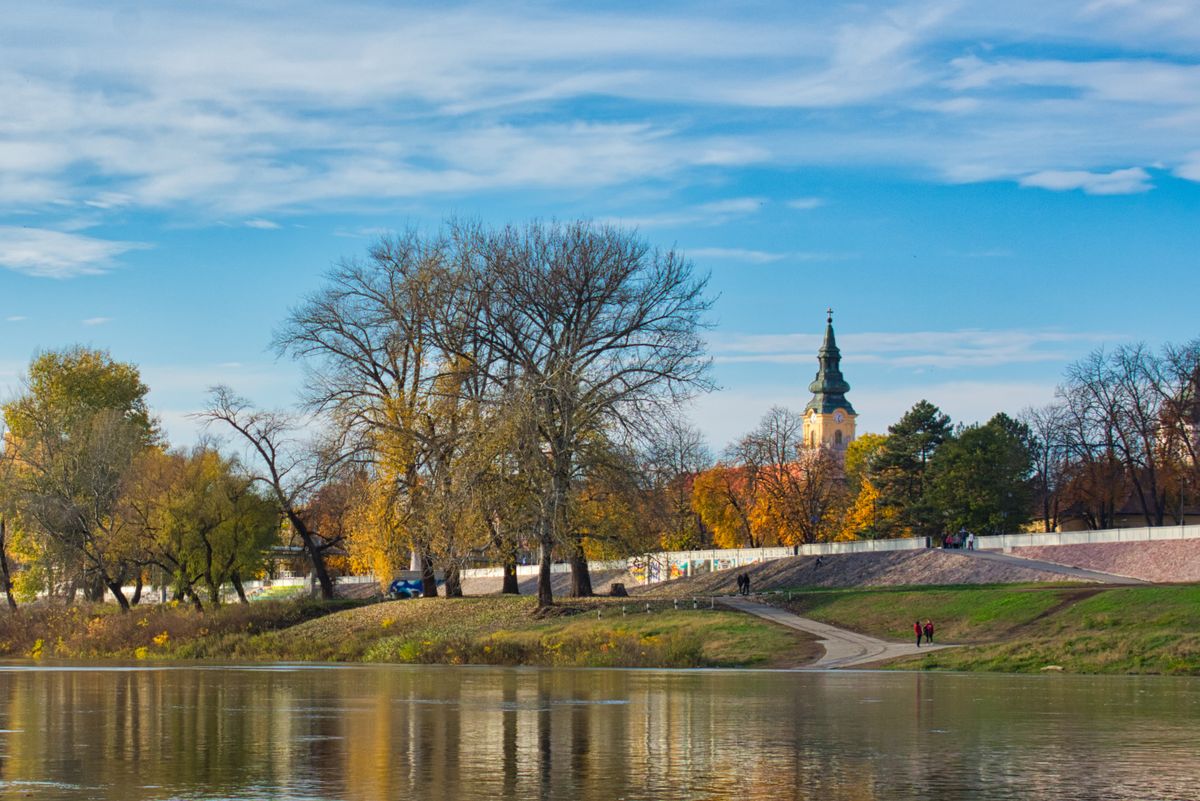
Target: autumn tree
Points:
(802, 491)
(726, 497)
(202, 521)
(864, 517)
(74, 431)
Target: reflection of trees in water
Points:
(366, 733)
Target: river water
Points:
(389, 732)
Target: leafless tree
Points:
(602, 332)
(291, 469)
(1050, 449)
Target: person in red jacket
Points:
(929, 632)
(917, 629)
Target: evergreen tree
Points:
(900, 471)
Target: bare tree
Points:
(291, 470)
(601, 331)
(1050, 449)
(676, 455)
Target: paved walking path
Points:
(1052, 567)
(843, 648)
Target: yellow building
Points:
(829, 417)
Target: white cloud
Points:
(265, 225)
(1190, 168)
(736, 254)
(55, 254)
(913, 350)
(96, 321)
(806, 203)
(717, 212)
(15, 318)
(1118, 182)
(246, 112)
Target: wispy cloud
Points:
(1118, 182)
(916, 350)
(15, 318)
(806, 203)
(717, 212)
(265, 225)
(55, 254)
(96, 321)
(767, 257)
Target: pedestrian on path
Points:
(740, 582)
(929, 632)
(971, 541)
(917, 629)
(746, 584)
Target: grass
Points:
(487, 630)
(962, 614)
(1078, 629)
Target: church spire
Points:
(829, 388)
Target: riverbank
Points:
(496, 630)
(1026, 629)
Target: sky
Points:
(983, 192)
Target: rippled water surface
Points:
(315, 732)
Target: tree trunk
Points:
(7, 578)
(581, 577)
(315, 557)
(196, 602)
(545, 594)
(428, 578)
(236, 579)
(115, 588)
(511, 586)
(453, 581)
(137, 590)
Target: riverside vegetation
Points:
(491, 630)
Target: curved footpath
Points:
(843, 648)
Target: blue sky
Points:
(983, 192)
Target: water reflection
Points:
(395, 732)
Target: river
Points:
(387, 732)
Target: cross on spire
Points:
(829, 312)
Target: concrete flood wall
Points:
(665, 565)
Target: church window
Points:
(837, 438)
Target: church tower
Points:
(829, 417)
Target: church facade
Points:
(829, 418)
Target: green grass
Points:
(959, 613)
(1026, 629)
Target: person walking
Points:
(917, 629)
(740, 581)
(746, 584)
(929, 632)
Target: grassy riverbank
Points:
(1078, 628)
(484, 630)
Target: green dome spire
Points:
(829, 388)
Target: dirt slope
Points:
(1169, 560)
(856, 570)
